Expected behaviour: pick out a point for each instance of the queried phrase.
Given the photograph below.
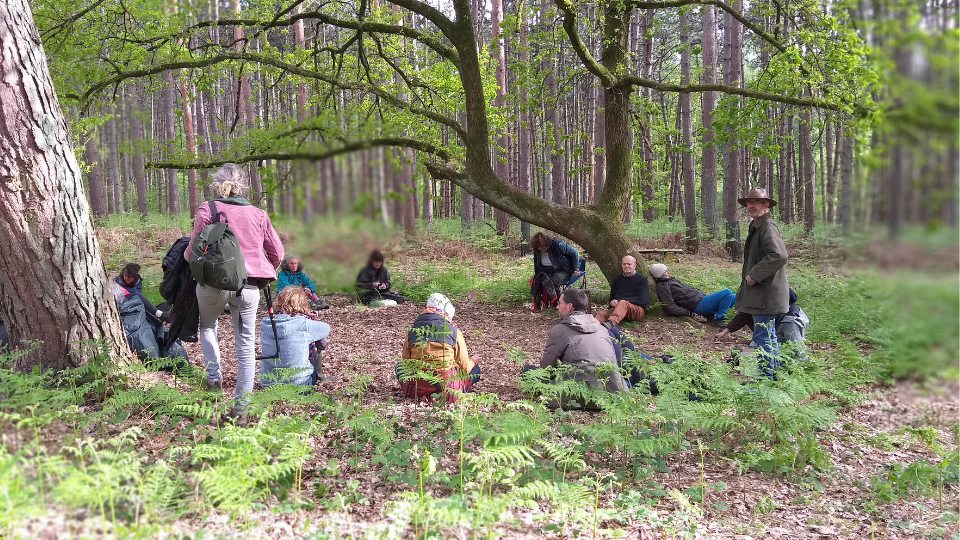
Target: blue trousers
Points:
(716, 304)
(765, 338)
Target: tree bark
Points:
(732, 54)
(846, 187)
(60, 297)
(173, 190)
(686, 149)
(91, 154)
(809, 174)
(708, 165)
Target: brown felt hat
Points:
(757, 193)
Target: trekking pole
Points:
(273, 324)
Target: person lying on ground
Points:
(292, 273)
(373, 281)
(584, 347)
(791, 327)
(681, 300)
(301, 340)
(129, 279)
(434, 358)
(629, 294)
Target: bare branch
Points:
(313, 156)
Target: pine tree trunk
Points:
(64, 298)
(686, 130)
(708, 166)
(173, 190)
(809, 173)
(732, 55)
(112, 169)
(91, 154)
(846, 184)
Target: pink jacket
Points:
(261, 247)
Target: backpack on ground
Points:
(215, 258)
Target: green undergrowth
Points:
(135, 456)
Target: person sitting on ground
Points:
(790, 327)
(583, 345)
(373, 282)
(435, 348)
(301, 340)
(291, 273)
(629, 294)
(129, 279)
(681, 300)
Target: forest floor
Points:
(861, 487)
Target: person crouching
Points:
(434, 358)
(300, 339)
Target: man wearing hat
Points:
(764, 292)
(682, 300)
(434, 358)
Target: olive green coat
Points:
(764, 259)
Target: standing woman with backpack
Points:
(261, 252)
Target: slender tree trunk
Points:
(191, 147)
(173, 189)
(112, 170)
(498, 51)
(64, 298)
(686, 130)
(809, 174)
(731, 148)
(708, 167)
(846, 187)
(91, 154)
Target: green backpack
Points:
(215, 258)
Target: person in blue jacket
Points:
(291, 273)
(300, 338)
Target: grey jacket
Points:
(582, 343)
(764, 259)
(676, 297)
(296, 333)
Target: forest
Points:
(445, 134)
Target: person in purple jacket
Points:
(262, 253)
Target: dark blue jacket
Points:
(564, 257)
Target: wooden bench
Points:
(661, 254)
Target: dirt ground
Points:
(756, 505)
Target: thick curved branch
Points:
(288, 156)
(745, 92)
(289, 68)
(570, 27)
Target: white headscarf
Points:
(441, 304)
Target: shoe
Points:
(213, 386)
(324, 378)
(319, 304)
(165, 316)
(235, 416)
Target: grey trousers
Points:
(243, 311)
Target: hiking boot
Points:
(319, 304)
(213, 386)
(235, 416)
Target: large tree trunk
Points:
(53, 289)
(708, 165)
